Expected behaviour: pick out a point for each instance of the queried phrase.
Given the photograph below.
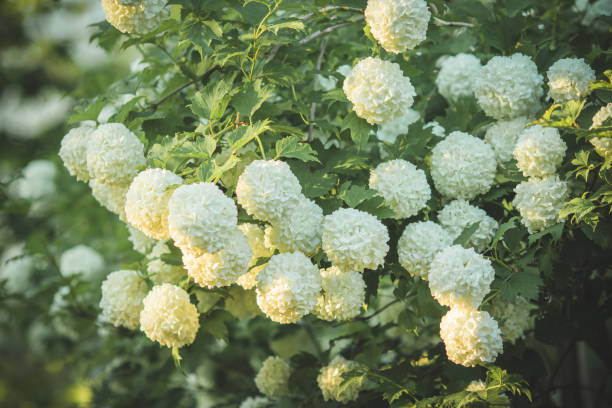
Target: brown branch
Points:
(313, 107)
(439, 21)
(319, 33)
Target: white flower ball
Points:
(255, 402)
(389, 131)
(402, 185)
(242, 303)
(38, 181)
(256, 238)
(343, 295)
(569, 78)
(161, 272)
(398, 25)
(122, 295)
(462, 166)
(602, 145)
(130, 16)
(459, 214)
(81, 260)
(221, 268)
(140, 242)
(16, 268)
(110, 196)
(201, 217)
(436, 128)
(114, 154)
(513, 317)
(169, 317)
(539, 151)
(418, 244)
(509, 87)
(288, 287)
(378, 90)
(73, 150)
(146, 201)
(602, 115)
(267, 189)
(470, 336)
(503, 135)
(460, 277)
(272, 379)
(330, 378)
(539, 201)
(300, 230)
(354, 240)
(457, 76)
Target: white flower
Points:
(146, 201)
(299, 230)
(329, 83)
(330, 378)
(16, 268)
(135, 17)
(110, 196)
(272, 379)
(509, 87)
(242, 303)
(595, 10)
(457, 76)
(221, 268)
(38, 181)
(378, 90)
(354, 240)
(539, 151)
(288, 286)
(602, 115)
(459, 214)
(114, 154)
(539, 201)
(161, 272)
(436, 128)
(140, 241)
(402, 185)
(460, 277)
(569, 78)
(513, 317)
(602, 145)
(255, 402)
(398, 25)
(418, 244)
(343, 295)
(503, 135)
(81, 260)
(73, 150)
(201, 217)
(470, 336)
(389, 131)
(169, 317)
(256, 238)
(122, 295)
(462, 166)
(267, 189)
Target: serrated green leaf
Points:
(466, 234)
(355, 195)
(212, 101)
(359, 129)
(291, 147)
(215, 323)
(90, 113)
(250, 98)
(242, 135)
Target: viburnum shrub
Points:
(372, 203)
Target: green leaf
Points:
(91, 113)
(174, 258)
(355, 195)
(554, 230)
(250, 98)
(359, 129)
(292, 148)
(466, 234)
(292, 25)
(200, 34)
(526, 283)
(242, 135)
(176, 356)
(212, 101)
(215, 323)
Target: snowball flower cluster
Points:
(288, 287)
(130, 16)
(459, 214)
(272, 379)
(457, 76)
(110, 196)
(539, 151)
(378, 90)
(503, 135)
(81, 260)
(539, 201)
(602, 145)
(267, 189)
(73, 150)
(114, 154)
(513, 316)
(255, 402)
(602, 115)
(158, 270)
(140, 242)
(256, 238)
(354, 240)
(122, 295)
(509, 87)
(299, 230)
(16, 268)
(343, 295)
(460, 277)
(201, 217)
(470, 336)
(38, 181)
(221, 268)
(168, 316)
(146, 201)
(462, 166)
(569, 78)
(402, 185)
(436, 128)
(389, 131)
(398, 25)
(330, 378)
(418, 244)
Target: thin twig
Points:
(319, 33)
(313, 107)
(379, 311)
(203, 78)
(439, 21)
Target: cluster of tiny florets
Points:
(73, 150)
(539, 151)
(342, 297)
(457, 76)
(122, 295)
(458, 215)
(503, 135)
(378, 90)
(131, 16)
(569, 78)
(539, 201)
(81, 260)
(140, 242)
(272, 379)
(513, 317)
(602, 145)
(330, 378)
(419, 243)
(110, 196)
